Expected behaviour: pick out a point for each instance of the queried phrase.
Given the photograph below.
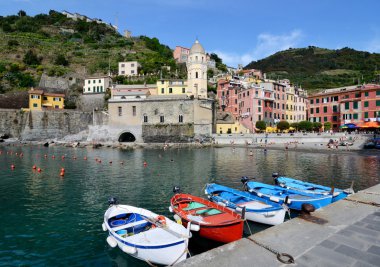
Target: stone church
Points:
(138, 115)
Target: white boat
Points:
(145, 235)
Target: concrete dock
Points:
(345, 233)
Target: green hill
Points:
(317, 68)
(56, 45)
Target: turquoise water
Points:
(49, 220)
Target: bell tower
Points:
(197, 71)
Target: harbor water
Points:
(53, 220)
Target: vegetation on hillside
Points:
(317, 68)
(56, 45)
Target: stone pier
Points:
(345, 233)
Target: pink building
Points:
(181, 54)
(227, 93)
(351, 104)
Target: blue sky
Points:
(240, 30)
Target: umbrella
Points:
(371, 124)
(351, 125)
(344, 126)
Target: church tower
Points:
(197, 71)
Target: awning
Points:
(47, 104)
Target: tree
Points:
(294, 125)
(31, 58)
(261, 125)
(61, 60)
(327, 126)
(317, 126)
(305, 125)
(21, 13)
(283, 125)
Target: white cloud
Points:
(266, 45)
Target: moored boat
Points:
(292, 198)
(215, 222)
(255, 208)
(145, 235)
(311, 188)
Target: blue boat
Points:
(292, 198)
(290, 183)
(256, 209)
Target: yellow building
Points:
(226, 124)
(40, 100)
(290, 105)
(172, 87)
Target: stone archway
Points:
(127, 137)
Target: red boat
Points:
(215, 221)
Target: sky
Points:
(239, 31)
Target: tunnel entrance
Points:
(127, 138)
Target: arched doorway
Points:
(127, 138)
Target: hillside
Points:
(317, 68)
(56, 45)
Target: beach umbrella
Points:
(371, 124)
(351, 125)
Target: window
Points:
(101, 88)
(133, 110)
(145, 118)
(132, 71)
(357, 94)
(248, 93)
(365, 94)
(317, 101)
(45, 98)
(335, 118)
(355, 116)
(162, 120)
(355, 105)
(235, 101)
(335, 108)
(180, 118)
(283, 116)
(311, 101)
(170, 90)
(56, 107)
(162, 90)
(324, 109)
(196, 75)
(122, 65)
(286, 116)
(100, 81)
(347, 105)
(89, 82)
(377, 103)
(88, 89)
(317, 110)
(120, 110)
(183, 90)
(35, 97)
(132, 65)
(312, 111)
(259, 117)
(56, 99)
(324, 118)
(259, 109)
(35, 105)
(366, 104)
(378, 92)
(365, 115)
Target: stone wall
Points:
(90, 102)
(172, 133)
(12, 122)
(43, 125)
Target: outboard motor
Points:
(244, 180)
(176, 189)
(112, 201)
(275, 176)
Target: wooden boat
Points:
(256, 209)
(145, 235)
(215, 222)
(311, 188)
(292, 198)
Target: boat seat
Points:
(194, 205)
(129, 225)
(208, 212)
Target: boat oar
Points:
(159, 225)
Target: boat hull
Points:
(270, 218)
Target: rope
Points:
(282, 257)
(186, 250)
(150, 264)
(371, 203)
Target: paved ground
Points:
(350, 236)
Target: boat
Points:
(145, 235)
(290, 183)
(256, 209)
(292, 198)
(215, 222)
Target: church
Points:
(179, 116)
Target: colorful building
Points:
(129, 68)
(172, 87)
(97, 85)
(120, 89)
(40, 100)
(351, 104)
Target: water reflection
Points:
(54, 220)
